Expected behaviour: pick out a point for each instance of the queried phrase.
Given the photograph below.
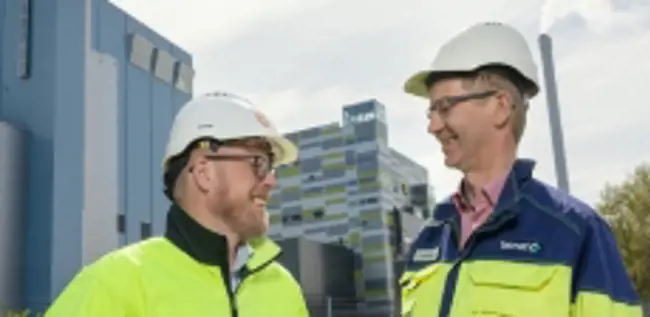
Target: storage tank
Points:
(13, 186)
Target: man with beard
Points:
(213, 259)
(505, 244)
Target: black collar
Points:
(201, 244)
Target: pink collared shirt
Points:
(472, 217)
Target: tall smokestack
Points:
(546, 47)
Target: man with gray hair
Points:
(505, 244)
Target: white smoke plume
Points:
(598, 14)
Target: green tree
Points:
(626, 207)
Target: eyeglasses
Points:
(443, 105)
(262, 165)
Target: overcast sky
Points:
(301, 60)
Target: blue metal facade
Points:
(49, 105)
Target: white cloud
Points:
(302, 60)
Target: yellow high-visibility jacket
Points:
(541, 253)
(182, 274)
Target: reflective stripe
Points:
(423, 290)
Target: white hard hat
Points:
(224, 116)
(482, 45)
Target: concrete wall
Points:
(75, 44)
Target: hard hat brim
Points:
(285, 151)
(415, 85)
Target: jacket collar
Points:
(209, 247)
(521, 172)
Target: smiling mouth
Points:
(261, 202)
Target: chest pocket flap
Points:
(515, 289)
(522, 276)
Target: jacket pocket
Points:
(499, 288)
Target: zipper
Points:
(233, 301)
(452, 277)
(232, 295)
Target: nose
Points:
(270, 180)
(436, 124)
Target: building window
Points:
(25, 44)
(141, 52)
(184, 77)
(164, 66)
(145, 230)
(121, 223)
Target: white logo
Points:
(425, 255)
(531, 247)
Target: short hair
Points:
(501, 78)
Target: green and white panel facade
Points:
(342, 190)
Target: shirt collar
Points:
(244, 253)
(521, 172)
(487, 196)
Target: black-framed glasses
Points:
(262, 165)
(443, 105)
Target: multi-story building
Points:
(87, 96)
(344, 189)
(326, 275)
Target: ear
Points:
(202, 174)
(503, 109)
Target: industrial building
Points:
(346, 188)
(326, 274)
(87, 95)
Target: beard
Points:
(240, 213)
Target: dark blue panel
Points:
(313, 190)
(333, 174)
(38, 229)
(161, 114)
(350, 158)
(311, 164)
(332, 143)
